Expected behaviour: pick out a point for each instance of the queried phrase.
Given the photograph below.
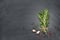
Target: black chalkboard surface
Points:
(17, 16)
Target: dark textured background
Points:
(16, 17)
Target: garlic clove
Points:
(38, 32)
(33, 30)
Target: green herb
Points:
(43, 18)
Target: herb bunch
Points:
(43, 18)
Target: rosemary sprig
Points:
(43, 18)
